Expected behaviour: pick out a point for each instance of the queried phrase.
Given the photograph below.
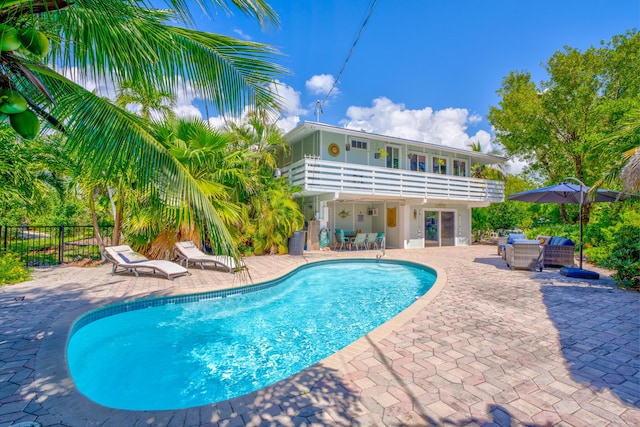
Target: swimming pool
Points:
(180, 352)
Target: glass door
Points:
(393, 157)
(439, 228)
(448, 229)
(431, 233)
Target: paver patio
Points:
(486, 347)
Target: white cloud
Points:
(288, 123)
(241, 34)
(447, 126)
(289, 97)
(321, 84)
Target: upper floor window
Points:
(359, 144)
(393, 157)
(439, 165)
(418, 162)
(459, 167)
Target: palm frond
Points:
(121, 40)
(106, 138)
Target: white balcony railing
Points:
(315, 175)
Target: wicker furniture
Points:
(504, 241)
(558, 255)
(523, 254)
(502, 244)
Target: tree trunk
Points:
(94, 221)
(117, 225)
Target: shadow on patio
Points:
(599, 329)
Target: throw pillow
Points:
(132, 257)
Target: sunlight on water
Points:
(190, 354)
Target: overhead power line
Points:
(344, 64)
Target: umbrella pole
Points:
(581, 195)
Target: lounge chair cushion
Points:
(132, 257)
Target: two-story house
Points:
(418, 193)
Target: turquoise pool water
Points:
(180, 352)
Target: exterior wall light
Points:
(347, 147)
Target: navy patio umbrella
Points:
(569, 193)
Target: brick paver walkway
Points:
(486, 347)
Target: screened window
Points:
(460, 168)
(439, 165)
(359, 144)
(418, 162)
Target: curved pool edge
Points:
(342, 358)
(56, 390)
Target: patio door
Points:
(439, 228)
(393, 157)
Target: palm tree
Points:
(270, 215)
(624, 142)
(128, 40)
(148, 97)
(484, 171)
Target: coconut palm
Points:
(624, 142)
(484, 171)
(129, 40)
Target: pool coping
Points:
(56, 390)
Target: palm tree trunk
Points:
(94, 221)
(117, 224)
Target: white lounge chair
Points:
(189, 252)
(124, 259)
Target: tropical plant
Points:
(270, 215)
(495, 173)
(130, 40)
(12, 270)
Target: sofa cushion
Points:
(515, 236)
(554, 240)
(568, 242)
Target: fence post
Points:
(61, 247)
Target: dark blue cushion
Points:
(554, 240)
(560, 241)
(568, 242)
(580, 274)
(515, 236)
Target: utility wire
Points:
(344, 64)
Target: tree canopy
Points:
(557, 126)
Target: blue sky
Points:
(426, 70)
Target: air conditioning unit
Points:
(372, 212)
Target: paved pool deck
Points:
(486, 347)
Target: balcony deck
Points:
(317, 176)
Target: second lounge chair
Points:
(190, 253)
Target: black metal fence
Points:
(51, 245)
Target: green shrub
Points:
(12, 270)
(624, 257)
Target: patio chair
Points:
(360, 240)
(381, 240)
(125, 259)
(341, 240)
(188, 252)
(372, 240)
(558, 251)
(524, 254)
(504, 241)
